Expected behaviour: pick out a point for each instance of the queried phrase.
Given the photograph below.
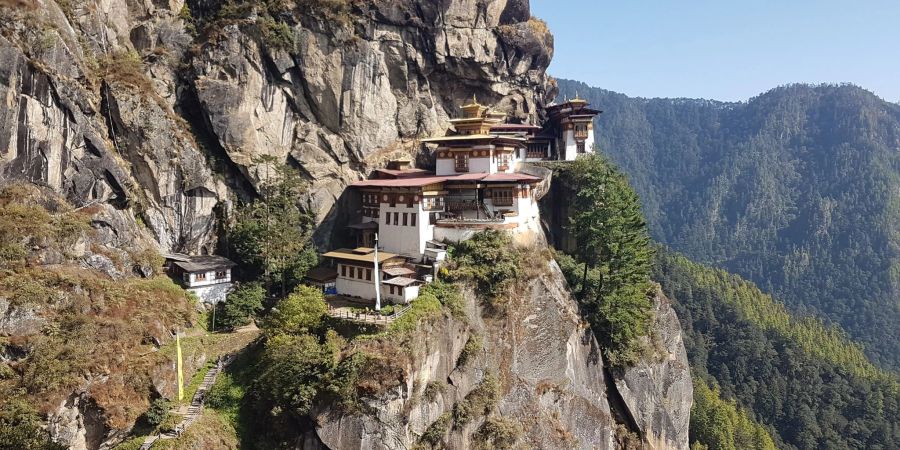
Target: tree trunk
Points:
(583, 282)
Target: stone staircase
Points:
(195, 409)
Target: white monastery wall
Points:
(212, 294)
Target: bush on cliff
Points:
(273, 233)
(244, 304)
(610, 268)
(491, 261)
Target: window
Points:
(462, 162)
(221, 274)
(200, 277)
(387, 218)
(343, 271)
(413, 219)
(368, 274)
(405, 219)
(359, 272)
(580, 147)
(396, 218)
(502, 197)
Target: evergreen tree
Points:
(273, 233)
(243, 304)
(613, 248)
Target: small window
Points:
(413, 219)
(405, 219)
(221, 275)
(387, 218)
(368, 274)
(343, 271)
(462, 162)
(359, 273)
(200, 277)
(396, 218)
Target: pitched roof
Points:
(200, 263)
(398, 271)
(361, 254)
(322, 274)
(515, 126)
(401, 281)
(402, 173)
(510, 177)
(472, 137)
(431, 179)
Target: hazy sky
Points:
(724, 49)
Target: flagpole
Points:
(180, 369)
(377, 278)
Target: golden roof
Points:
(361, 254)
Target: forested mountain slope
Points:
(806, 382)
(797, 189)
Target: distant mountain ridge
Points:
(797, 189)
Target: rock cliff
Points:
(550, 376)
(166, 109)
(158, 115)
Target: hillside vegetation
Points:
(796, 190)
(798, 377)
(72, 332)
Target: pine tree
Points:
(273, 233)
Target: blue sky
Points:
(725, 49)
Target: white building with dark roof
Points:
(206, 276)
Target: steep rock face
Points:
(88, 122)
(551, 375)
(658, 392)
(546, 360)
(97, 93)
(347, 94)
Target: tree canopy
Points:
(610, 271)
(795, 189)
(272, 234)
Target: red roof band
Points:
(424, 181)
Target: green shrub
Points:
(277, 35)
(491, 261)
(479, 402)
(243, 304)
(302, 311)
(170, 422)
(21, 426)
(424, 307)
(158, 412)
(449, 296)
(473, 345)
(498, 433)
(435, 432)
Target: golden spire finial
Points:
(474, 99)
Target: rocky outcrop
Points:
(551, 375)
(545, 358)
(657, 392)
(118, 102)
(157, 115)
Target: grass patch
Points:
(434, 434)
(479, 402)
(498, 433)
(473, 346)
(210, 432)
